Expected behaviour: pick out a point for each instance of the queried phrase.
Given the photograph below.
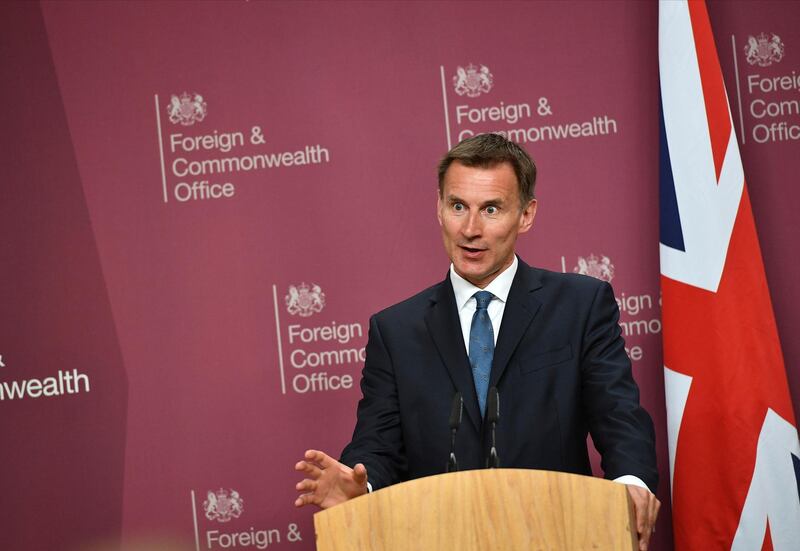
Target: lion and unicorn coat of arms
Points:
(186, 109)
(472, 81)
(302, 300)
(223, 505)
(763, 50)
(597, 267)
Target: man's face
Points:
(480, 215)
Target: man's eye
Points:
(458, 207)
(491, 210)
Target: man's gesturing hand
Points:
(646, 506)
(327, 481)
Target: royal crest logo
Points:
(186, 109)
(600, 268)
(472, 81)
(302, 300)
(763, 51)
(222, 505)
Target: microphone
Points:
(492, 416)
(456, 412)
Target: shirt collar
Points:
(499, 286)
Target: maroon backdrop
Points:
(204, 202)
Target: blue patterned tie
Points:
(481, 346)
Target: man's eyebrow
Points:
(495, 201)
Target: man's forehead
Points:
(498, 178)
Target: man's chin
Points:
(470, 272)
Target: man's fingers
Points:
(327, 481)
(644, 541)
(644, 534)
(309, 468)
(640, 506)
(306, 486)
(360, 473)
(306, 499)
(320, 458)
(646, 521)
(656, 507)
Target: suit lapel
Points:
(445, 329)
(521, 308)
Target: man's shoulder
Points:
(563, 281)
(413, 306)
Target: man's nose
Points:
(473, 225)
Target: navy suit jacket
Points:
(561, 372)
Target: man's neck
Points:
(499, 286)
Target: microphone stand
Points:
(492, 416)
(456, 412)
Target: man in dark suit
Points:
(549, 343)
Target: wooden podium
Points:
(484, 510)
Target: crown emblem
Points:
(186, 109)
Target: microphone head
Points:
(493, 462)
(452, 463)
(456, 411)
(493, 405)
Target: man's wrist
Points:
(632, 480)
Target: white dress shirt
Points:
(466, 303)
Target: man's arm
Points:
(377, 439)
(376, 444)
(621, 430)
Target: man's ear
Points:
(527, 216)
(439, 207)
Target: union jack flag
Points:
(732, 434)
